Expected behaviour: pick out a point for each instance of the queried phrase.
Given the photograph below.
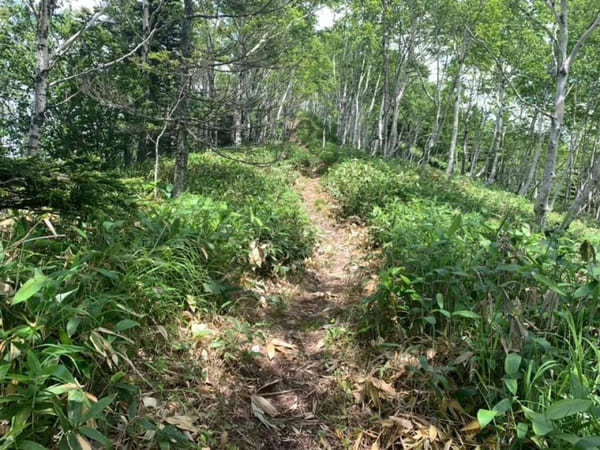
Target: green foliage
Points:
(72, 187)
(461, 264)
(71, 307)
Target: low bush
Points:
(519, 309)
(73, 293)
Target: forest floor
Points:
(285, 370)
(281, 373)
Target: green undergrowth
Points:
(520, 309)
(76, 293)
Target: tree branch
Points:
(584, 37)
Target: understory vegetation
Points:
(299, 224)
(515, 311)
(77, 294)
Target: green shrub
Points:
(65, 334)
(461, 265)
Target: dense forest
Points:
(285, 224)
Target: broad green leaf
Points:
(548, 283)
(541, 424)
(585, 290)
(511, 385)
(522, 429)
(512, 363)
(502, 406)
(567, 407)
(485, 416)
(430, 319)
(72, 325)
(126, 325)
(96, 436)
(588, 443)
(97, 408)
(30, 288)
(466, 314)
(108, 273)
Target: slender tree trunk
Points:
(591, 184)
(497, 141)
(181, 158)
(452, 152)
(564, 62)
(42, 68)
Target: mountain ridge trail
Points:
(314, 322)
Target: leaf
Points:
(567, 407)
(95, 435)
(30, 445)
(30, 288)
(471, 426)
(512, 364)
(185, 423)
(522, 429)
(463, 357)
(97, 408)
(265, 405)
(485, 416)
(502, 406)
(126, 325)
(430, 319)
(83, 442)
(456, 223)
(72, 325)
(108, 273)
(259, 404)
(201, 330)
(466, 314)
(5, 289)
(270, 350)
(150, 402)
(540, 423)
(279, 343)
(511, 385)
(548, 283)
(588, 443)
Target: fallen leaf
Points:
(358, 441)
(463, 357)
(270, 350)
(150, 402)
(279, 343)
(265, 405)
(184, 423)
(7, 224)
(83, 443)
(50, 227)
(260, 407)
(224, 440)
(163, 332)
(5, 289)
(375, 445)
(471, 427)
(404, 423)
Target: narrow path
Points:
(280, 372)
(309, 336)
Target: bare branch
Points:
(107, 65)
(584, 37)
(508, 79)
(66, 45)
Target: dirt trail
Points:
(302, 382)
(283, 371)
